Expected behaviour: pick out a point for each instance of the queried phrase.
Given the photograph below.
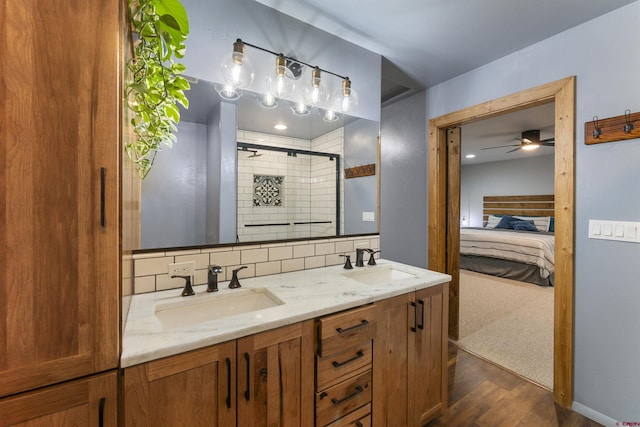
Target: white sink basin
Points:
(378, 275)
(204, 308)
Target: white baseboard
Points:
(595, 415)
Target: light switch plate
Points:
(623, 231)
(368, 216)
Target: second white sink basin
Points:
(378, 275)
(204, 308)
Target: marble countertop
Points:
(305, 295)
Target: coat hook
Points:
(596, 128)
(628, 127)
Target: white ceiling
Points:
(434, 40)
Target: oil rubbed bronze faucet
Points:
(360, 255)
(212, 278)
(234, 278)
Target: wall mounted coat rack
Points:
(612, 129)
(359, 171)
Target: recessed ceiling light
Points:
(470, 156)
(280, 126)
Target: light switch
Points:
(631, 232)
(619, 230)
(622, 231)
(607, 230)
(596, 228)
(368, 216)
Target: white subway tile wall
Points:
(151, 268)
(303, 176)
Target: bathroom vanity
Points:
(326, 346)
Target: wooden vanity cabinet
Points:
(264, 379)
(90, 401)
(410, 354)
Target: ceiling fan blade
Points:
(547, 144)
(500, 146)
(547, 140)
(515, 149)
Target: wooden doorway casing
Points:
(562, 92)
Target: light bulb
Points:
(236, 68)
(268, 101)
(530, 146)
(278, 84)
(316, 92)
(300, 109)
(330, 116)
(227, 91)
(345, 99)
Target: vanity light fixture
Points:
(237, 72)
(268, 102)
(330, 116)
(300, 109)
(227, 91)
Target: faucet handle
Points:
(188, 290)
(372, 260)
(235, 283)
(347, 262)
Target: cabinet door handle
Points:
(358, 390)
(359, 424)
(228, 401)
(351, 328)
(415, 317)
(358, 355)
(103, 401)
(247, 390)
(421, 324)
(103, 189)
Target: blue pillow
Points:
(505, 222)
(552, 224)
(523, 225)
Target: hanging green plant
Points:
(155, 87)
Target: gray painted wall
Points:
(360, 194)
(403, 174)
(178, 171)
(215, 25)
(607, 291)
(508, 178)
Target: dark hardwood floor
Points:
(482, 394)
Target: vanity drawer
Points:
(342, 398)
(346, 329)
(340, 366)
(361, 417)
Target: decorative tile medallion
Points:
(267, 190)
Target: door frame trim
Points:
(562, 93)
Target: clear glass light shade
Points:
(345, 99)
(279, 84)
(315, 93)
(330, 116)
(268, 101)
(237, 70)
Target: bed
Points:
(519, 254)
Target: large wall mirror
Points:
(232, 177)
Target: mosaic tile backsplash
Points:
(268, 190)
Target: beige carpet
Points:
(509, 323)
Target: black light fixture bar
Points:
(290, 59)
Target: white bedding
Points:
(526, 247)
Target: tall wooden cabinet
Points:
(59, 217)
(410, 353)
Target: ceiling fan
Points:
(529, 140)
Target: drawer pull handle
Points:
(359, 424)
(103, 196)
(351, 328)
(358, 355)
(357, 391)
(103, 401)
(421, 324)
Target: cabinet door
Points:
(427, 362)
(390, 361)
(191, 389)
(90, 401)
(275, 377)
(59, 217)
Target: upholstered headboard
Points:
(536, 205)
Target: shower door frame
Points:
(289, 151)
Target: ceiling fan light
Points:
(530, 146)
